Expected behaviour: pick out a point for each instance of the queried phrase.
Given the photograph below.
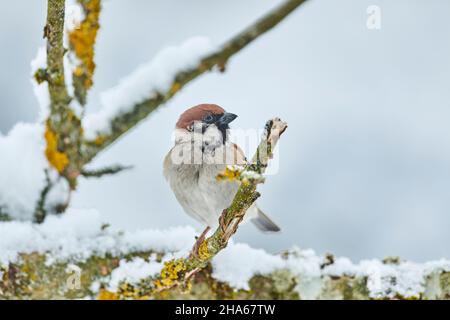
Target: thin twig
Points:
(98, 173)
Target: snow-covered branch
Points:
(77, 256)
(63, 133)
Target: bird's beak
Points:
(226, 118)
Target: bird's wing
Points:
(261, 220)
(166, 165)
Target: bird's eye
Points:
(208, 118)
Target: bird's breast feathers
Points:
(195, 184)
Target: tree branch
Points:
(35, 277)
(40, 211)
(104, 171)
(63, 132)
(124, 122)
(120, 264)
(54, 32)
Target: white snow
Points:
(238, 263)
(23, 168)
(78, 234)
(22, 158)
(388, 280)
(408, 277)
(133, 271)
(154, 76)
(59, 192)
(74, 15)
(304, 262)
(22, 165)
(70, 63)
(41, 90)
(306, 265)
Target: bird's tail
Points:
(264, 223)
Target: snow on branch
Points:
(97, 173)
(22, 170)
(82, 36)
(54, 74)
(37, 262)
(26, 175)
(152, 77)
(158, 81)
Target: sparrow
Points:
(202, 151)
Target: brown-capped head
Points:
(206, 114)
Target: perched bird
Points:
(202, 150)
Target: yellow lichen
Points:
(57, 159)
(128, 291)
(99, 140)
(187, 287)
(170, 273)
(78, 71)
(229, 174)
(82, 40)
(175, 87)
(203, 252)
(26, 269)
(107, 295)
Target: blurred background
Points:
(365, 165)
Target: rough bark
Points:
(63, 130)
(33, 278)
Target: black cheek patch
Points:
(224, 131)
